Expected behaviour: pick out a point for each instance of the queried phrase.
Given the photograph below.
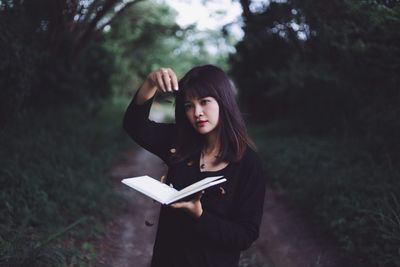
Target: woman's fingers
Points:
(165, 79)
(160, 81)
(163, 179)
(198, 196)
(188, 204)
(174, 79)
(180, 205)
(193, 207)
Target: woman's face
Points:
(202, 113)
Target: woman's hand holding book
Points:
(193, 207)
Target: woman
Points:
(208, 139)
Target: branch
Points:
(74, 28)
(83, 39)
(56, 30)
(84, 17)
(118, 14)
(91, 10)
(246, 14)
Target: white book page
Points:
(202, 182)
(181, 194)
(151, 187)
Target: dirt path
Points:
(289, 239)
(129, 240)
(286, 238)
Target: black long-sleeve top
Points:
(232, 211)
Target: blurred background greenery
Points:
(318, 82)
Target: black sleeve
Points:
(242, 230)
(154, 137)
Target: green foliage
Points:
(53, 174)
(353, 42)
(147, 37)
(16, 63)
(84, 82)
(330, 64)
(48, 62)
(36, 63)
(136, 41)
(330, 70)
(337, 180)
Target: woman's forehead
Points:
(190, 98)
(196, 91)
(190, 94)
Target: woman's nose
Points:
(198, 111)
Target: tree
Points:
(147, 38)
(42, 56)
(74, 20)
(331, 67)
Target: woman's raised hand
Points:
(164, 79)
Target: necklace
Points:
(202, 162)
(202, 166)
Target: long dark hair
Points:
(206, 81)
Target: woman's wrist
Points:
(146, 91)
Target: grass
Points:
(56, 197)
(55, 192)
(250, 258)
(338, 181)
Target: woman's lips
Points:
(201, 123)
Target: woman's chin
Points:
(202, 131)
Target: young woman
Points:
(208, 139)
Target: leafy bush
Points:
(331, 65)
(339, 181)
(53, 175)
(17, 64)
(36, 74)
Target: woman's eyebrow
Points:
(196, 98)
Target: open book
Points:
(166, 194)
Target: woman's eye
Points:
(186, 107)
(204, 101)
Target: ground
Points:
(287, 238)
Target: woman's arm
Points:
(155, 137)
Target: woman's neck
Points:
(212, 144)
